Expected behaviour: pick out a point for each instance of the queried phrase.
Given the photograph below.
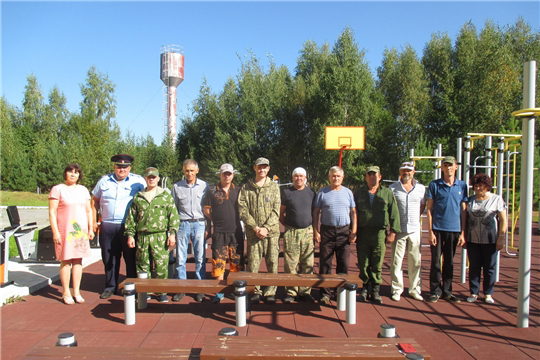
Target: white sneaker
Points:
(395, 297)
(416, 296)
(472, 298)
(489, 299)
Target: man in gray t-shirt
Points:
(335, 204)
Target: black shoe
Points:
(433, 298)
(271, 299)
(162, 298)
(288, 299)
(451, 298)
(255, 299)
(307, 298)
(178, 297)
(362, 297)
(106, 294)
(325, 300)
(199, 297)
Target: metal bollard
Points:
(228, 332)
(414, 357)
(341, 296)
(142, 297)
(241, 302)
(67, 340)
(387, 331)
(351, 302)
(129, 303)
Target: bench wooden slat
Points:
(179, 285)
(56, 352)
(313, 280)
(274, 348)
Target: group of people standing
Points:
(144, 223)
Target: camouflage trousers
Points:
(298, 250)
(152, 245)
(257, 249)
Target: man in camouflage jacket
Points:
(259, 203)
(153, 217)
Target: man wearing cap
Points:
(112, 196)
(335, 205)
(411, 201)
(296, 213)
(446, 213)
(221, 209)
(153, 218)
(378, 221)
(188, 195)
(259, 203)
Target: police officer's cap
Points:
(122, 159)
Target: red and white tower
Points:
(172, 75)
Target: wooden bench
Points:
(269, 348)
(174, 286)
(313, 280)
(58, 352)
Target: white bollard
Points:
(351, 303)
(129, 303)
(142, 297)
(241, 302)
(341, 296)
(67, 340)
(387, 331)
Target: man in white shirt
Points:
(411, 200)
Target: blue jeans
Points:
(193, 231)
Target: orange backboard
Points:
(347, 137)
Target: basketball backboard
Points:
(346, 137)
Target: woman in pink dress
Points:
(70, 215)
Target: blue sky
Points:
(59, 41)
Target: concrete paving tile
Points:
(486, 346)
(118, 339)
(83, 338)
(16, 343)
(169, 340)
(181, 323)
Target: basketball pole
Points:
(341, 154)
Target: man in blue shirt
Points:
(335, 204)
(112, 196)
(446, 205)
(188, 195)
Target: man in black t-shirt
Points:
(296, 214)
(221, 209)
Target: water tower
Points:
(172, 75)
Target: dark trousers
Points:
(482, 256)
(334, 240)
(446, 244)
(113, 244)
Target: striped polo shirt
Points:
(409, 205)
(335, 206)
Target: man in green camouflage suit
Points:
(258, 203)
(153, 217)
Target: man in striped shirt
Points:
(411, 200)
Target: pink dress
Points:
(72, 221)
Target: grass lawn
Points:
(21, 198)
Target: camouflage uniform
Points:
(259, 207)
(152, 221)
(298, 249)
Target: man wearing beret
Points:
(446, 214)
(154, 220)
(259, 202)
(378, 222)
(112, 196)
